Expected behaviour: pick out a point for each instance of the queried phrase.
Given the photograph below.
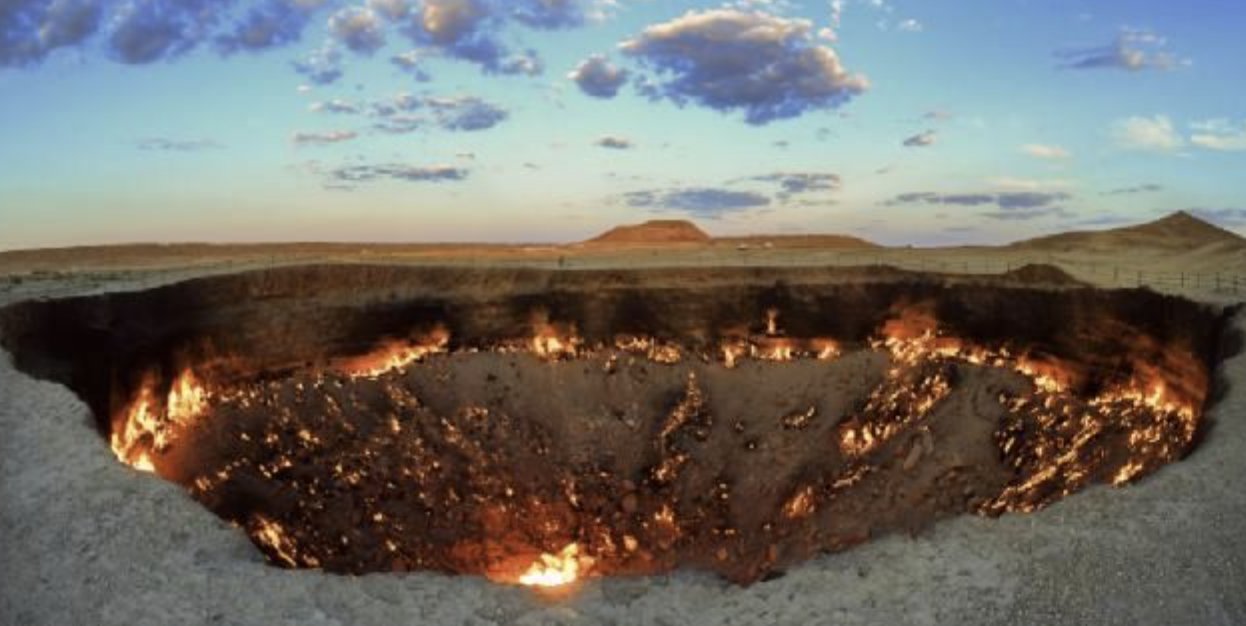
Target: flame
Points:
(396, 355)
(147, 427)
(557, 570)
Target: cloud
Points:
(1133, 50)
(323, 138)
(334, 106)
(163, 144)
(357, 28)
(706, 202)
(454, 113)
(411, 62)
(910, 26)
(154, 30)
(1220, 135)
(598, 77)
(466, 113)
(1148, 134)
(1041, 151)
(1027, 214)
(273, 23)
(1136, 189)
(922, 140)
(408, 173)
(769, 67)
(390, 9)
(615, 143)
(31, 29)
(468, 30)
(1232, 218)
(795, 183)
(323, 66)
(1009, 205)
(548, 14)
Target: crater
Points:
(540, 427)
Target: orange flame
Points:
(557, 570)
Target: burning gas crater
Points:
(547, 458)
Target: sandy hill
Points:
(1179, 231)
(654, 232)
(798, 241)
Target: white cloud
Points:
(1220, 134)
(1148, 134)
(1042, 151)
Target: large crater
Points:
(536, 427)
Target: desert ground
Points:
(85, 539)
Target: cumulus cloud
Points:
(1220, 135)
(769, 67)
(1133, 50)
(598, 77)
(164, 144)
(145, 31)
(357, 28)
(1148, 134)
(1042, 151)
(390, 9)
(409, 173)
(467, 30)
(1008, 205)
(31, 29)
(154, 30)
(922, 140)
(615, 143)
(323, 138)
(272, 23)
(705, 202)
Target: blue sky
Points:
(904, 121)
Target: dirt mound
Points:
(790, 242)
(1041, 274)
(654, 231)
(1177, 231)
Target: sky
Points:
(924, 122)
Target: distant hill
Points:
(798, 241)
(1179, 231)
(654, 232)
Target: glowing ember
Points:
(557, 570)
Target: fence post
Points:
(1183, 280)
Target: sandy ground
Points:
(84, 539)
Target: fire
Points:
(557, 570)
(396, 355)
(147, 427)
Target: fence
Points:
(1103, 273)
